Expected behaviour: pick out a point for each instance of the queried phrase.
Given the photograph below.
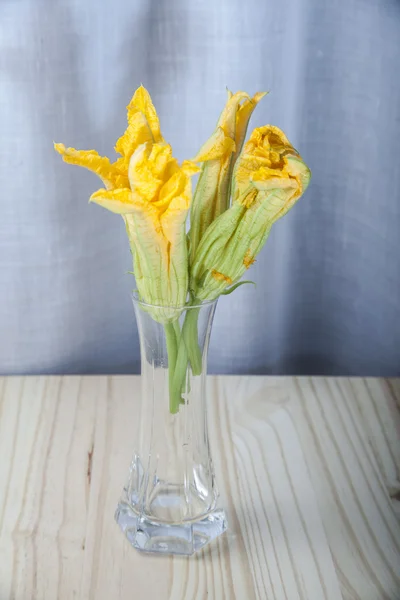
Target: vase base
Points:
(181, 538)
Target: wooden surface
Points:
(308, 471)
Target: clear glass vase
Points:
(169, 503)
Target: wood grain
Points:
(308, 471)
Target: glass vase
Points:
(169, 503)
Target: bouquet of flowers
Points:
(242, 189)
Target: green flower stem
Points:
(177, 330)
(172, 350)
(186, 382)
(183, 348)
(181, 366)
(190, 335)
(188, 352)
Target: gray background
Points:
(327, 299)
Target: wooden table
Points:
(308, 471)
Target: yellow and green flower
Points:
(269, 177)
(152, 192)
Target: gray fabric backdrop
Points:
(327, 299)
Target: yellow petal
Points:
(141, 101)
(111, 176)
(263, 159)
(243, 116)
(138, 132)
(190, 168)
(227, 119)
(269, 137)
(216, 146)
(119, 201)
(175, 186)
(141, 175)
(268, 179)
(121, 165)
(160, 158)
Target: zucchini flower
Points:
(269, 177)
(155, 206)
(152, 192)
(218, 154)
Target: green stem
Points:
(172, 350)
(183, 348)
(188, 350)
(191, 335)
(185, 383)
(177, 330)
(181, 366)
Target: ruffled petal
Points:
(110, 174)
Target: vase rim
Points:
(136, 300)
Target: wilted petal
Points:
(266, 156)
(109, 173)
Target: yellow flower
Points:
(218, 154)
(148, 187)
(269, 177)
(155, 207)
(269, 162)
